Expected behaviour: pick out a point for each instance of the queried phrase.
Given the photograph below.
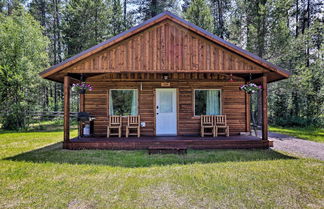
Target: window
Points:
(207, 102)
(123, 102)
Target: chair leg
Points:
(108, 132)
(119, 132)
(216, 131)
(138, 132)
(227, 131)
(127, 130)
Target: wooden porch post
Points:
(264, 108)
(67, 81)
(82, 109)
(247, 113)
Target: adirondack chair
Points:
(207, 123)
(115, 122)
(221, 124)
(133, 122)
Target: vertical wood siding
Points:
(166, 47)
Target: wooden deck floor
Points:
(191, 142)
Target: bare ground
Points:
(299, 147)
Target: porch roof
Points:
(255, 65)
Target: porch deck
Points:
(191, 142)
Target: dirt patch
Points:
(299, 147)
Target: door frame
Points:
(176, 106)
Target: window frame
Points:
(220, 102)
(121, 89)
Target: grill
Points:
(85, 117)
(86, 120)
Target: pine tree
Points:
(199, 14)
(85, 23)
(219, 9)
(117, 20)
(147, 9)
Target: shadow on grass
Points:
(139, 158)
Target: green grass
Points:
(308, 133)
(36, 173)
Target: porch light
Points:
(231, 78)
(165, 76)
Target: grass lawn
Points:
(36, 173)
(309, 133)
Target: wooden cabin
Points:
(170, 72)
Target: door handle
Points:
(157, 107)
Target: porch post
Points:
(67, 81)
(82, 109)
(247, 113)
(264, 107)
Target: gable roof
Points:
(280, 73)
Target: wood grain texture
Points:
(264, 107)
(233, 103)
(165, 47)
(67, 81)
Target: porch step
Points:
(180, 150)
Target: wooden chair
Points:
(207, 122)
(133, 122)
(115, 122)
(221, 123)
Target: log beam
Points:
(67, 81)
(264, 108)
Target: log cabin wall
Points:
(232, 99)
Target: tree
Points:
(22, 56)
(199, 14)
(219, 9)
(85, 24)
(146, 9)
(117, 20)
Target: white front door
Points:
(166, 112)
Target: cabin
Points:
(170, 73)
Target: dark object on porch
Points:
(180, 150)
(85, 118)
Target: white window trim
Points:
(220, 102)
(136, 90)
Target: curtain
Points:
(212, 102)
(134, 103)
(111, 105)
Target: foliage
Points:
(85, 24)
(309, 133)
(250, 88)
(288, 33)
(199, 14)
(146, 9)
(81, 87)
(22, 56)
